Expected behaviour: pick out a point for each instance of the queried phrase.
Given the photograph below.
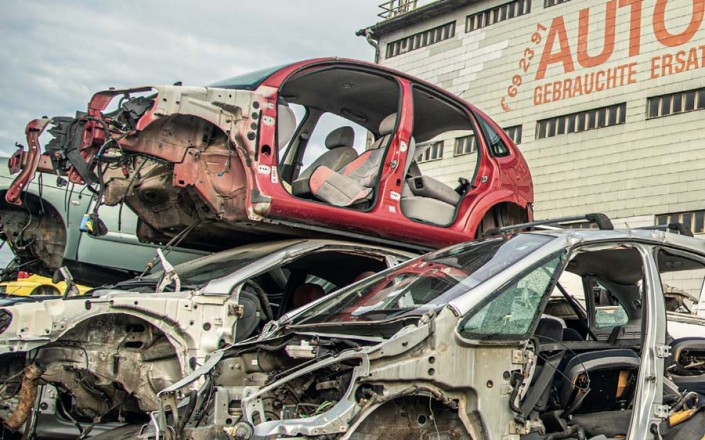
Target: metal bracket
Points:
(519, 357)
(663, 351)
(661, 411)
(236, 310)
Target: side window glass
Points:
(494, 141)
(609, 313)
(682, 282)
(512, 311)
(325, 284)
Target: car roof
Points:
(629, 235)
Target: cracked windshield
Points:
(423, 284)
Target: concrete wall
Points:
(641, 168)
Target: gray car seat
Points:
(356, 181)
(425, 198)
(286, 124)
(340, 153)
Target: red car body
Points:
(204, 164)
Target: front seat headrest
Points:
(340, 137)
(387, 125)
(286, 124)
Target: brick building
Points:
(604, 98)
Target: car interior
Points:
(308, 278)
(588, 344)
(333, 150)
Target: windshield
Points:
(197, 273)
(247, 81)
(424, 284)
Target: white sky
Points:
(55, 55)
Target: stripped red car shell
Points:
(232, 183)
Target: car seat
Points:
(306, 293)
(685, 363)
(339, 143)
(425, 198)
(356, 181)
(598, 381)
(286, 124)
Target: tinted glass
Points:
(247, 81)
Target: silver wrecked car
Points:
(469, 342)
(103, 357)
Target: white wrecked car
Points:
(107, 354)
(466, 343)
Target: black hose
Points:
(573, 430)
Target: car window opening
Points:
(337, 152)
(588, 344)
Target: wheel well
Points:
(35, 231)
(502, 214)
(412, 417)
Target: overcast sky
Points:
(55, 55)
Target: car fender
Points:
(192, 325)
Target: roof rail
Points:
(601, 220)
(671, 227)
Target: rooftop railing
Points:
(395, 8)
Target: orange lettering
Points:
(692, 59)
(547, 92)
(568, 87)
(680, 61)
(634, 25)
(654, 67)
(537, 96)
(668, 39)
(556, 91)
(578, 86)
(563, 56)
(611, 78)
(632, 73)
(666, 64)
(600, 84)
(584, 59)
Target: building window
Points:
(465, 145)
(514, 133)
(549, 3)
(580, 225)
(422, 39)
(695, 220)
(582, 121)
(434, 152)
(674, 103)
(497, 14)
